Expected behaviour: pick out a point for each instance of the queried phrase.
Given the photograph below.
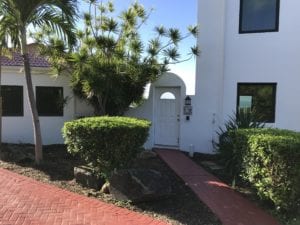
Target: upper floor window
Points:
(50, 101)
(259, 16)
(12, 100)
(259, 98)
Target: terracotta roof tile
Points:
(17, 60)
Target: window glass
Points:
(50, 101)
(167, 95)
(12, 100)
(259, 16)
(245, 102)
(259, 98)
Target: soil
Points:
(183, 207)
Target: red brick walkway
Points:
(228, 205)
(25, 201)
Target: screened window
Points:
(12, 100)
(50, 101)
(259, 16)
(258, 97)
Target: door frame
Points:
(178, 98)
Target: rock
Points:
(139, 185)
(147, 154)
(105, 188)
(85, 176)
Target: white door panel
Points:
(167, 114)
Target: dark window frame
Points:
(276, 29)
(61, 113)
(274, 86)
(21, 113)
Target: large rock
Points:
(139, 185)
(85, 176)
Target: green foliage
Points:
(106, 142)
(228, 145)
(111, 65)
(270, 160)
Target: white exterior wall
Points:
(228, 58)
(265, 57)
(19, 129)
(209, 75)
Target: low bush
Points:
(270, 160)
(106, 142)
(230, 155)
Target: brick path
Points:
(25, 201)
(228, 205)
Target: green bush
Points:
(270, 160)
(106, 142)
(230, 155)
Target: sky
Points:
(170, 13)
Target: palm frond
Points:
(193, 30)
(58, 15)
(195, 50)
(174, 35)
(161, 30)
(136, 46)
(172, 53)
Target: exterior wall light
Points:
(187, 109)
(187, 100)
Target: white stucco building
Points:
(250, 53)
(17, 120)
(250, 58)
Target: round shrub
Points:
(269, 159)
(106, 142)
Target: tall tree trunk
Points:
(31, 99)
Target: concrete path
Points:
(24, 201)
(228, 205)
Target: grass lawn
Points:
(182, 208)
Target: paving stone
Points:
(228, 205)
(26, 201)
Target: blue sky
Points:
(170, 13)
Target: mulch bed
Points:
(182, 208)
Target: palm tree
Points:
(55, 15)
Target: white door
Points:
(167, 116)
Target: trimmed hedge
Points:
(106, 142)
(270, 160)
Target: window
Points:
(12, 100)
(50, 101)
(259, 97)
(259, 16)
(168, 96)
